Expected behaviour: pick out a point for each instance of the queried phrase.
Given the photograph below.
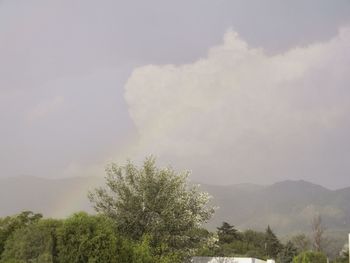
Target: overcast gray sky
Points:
(234, 90)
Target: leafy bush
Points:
(310, 257)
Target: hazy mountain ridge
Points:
(287, 206)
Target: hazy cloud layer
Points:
(64, 64)
(242, 115)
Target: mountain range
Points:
(288, 206)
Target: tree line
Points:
(144, 214)
(266, 245)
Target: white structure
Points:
(228, 260)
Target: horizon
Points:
(194, 182)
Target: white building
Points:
(228, 260)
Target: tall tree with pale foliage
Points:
(152, 201)
(317, 233)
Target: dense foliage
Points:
(9, 225)
(249, 243)
(310, 257)
(80, 238)
(287, 253)
(36, 242)
(272, 244)
(146, 215)
(155, 202)
(227, 233)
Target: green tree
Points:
(144, 253)
(84, 238)
(287, 254)
(33, 243)
(255, 238)
(227, 233)
(155, 202)
(310, 257)
(249, 243)
(272, 245)
(10, 224)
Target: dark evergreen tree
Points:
(287, 253)
(272, 245)
(227, 233)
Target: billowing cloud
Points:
(240, 114)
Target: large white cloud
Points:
(243, 115)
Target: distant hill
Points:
(287, 206)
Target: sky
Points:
(233, 90)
